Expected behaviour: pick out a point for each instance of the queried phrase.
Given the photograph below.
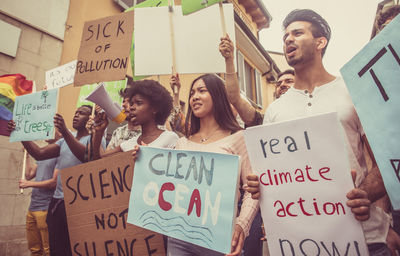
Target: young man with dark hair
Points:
(387, 16)
(284, 83)
(70, 151)
(316, 91)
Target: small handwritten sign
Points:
(304, 175)
(373, 80)
(104, 52)
(113, 88)
(186, 195)
(33, 115)
(61, 76)
(96, 198)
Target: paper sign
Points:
(186, 195)
(305, 175)
(148, 3)
(113, 88)
(96, 197)
(196, 38)
(190, 6)
(104, 52)
(373, 80)
(61, 76)
(33, 115)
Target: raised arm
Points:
(373, 183)
(246, 111)
(97, 128)
(39, 153)
(176, 120)
(77, 148)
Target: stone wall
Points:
(37, 52)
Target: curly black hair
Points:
(319, 26)
(156, 94)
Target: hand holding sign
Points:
(237, 241)
(226, 47)
(59, 123)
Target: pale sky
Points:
(350, 21)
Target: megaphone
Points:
(100, 97)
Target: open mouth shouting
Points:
(290, 51)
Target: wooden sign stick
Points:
(23, 168)
(221, 11)
(171, 26)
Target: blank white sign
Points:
(196, 36)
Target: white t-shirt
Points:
(167, 139)
(334, 97)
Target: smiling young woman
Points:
(212, 127)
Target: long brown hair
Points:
(221, 107)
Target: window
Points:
(249, 80)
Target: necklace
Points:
(203, 140)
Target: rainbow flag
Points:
(11, 86)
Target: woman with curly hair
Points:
(150, 106)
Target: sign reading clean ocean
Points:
(188, 195)
(33, 116)
(373, 80)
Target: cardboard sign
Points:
(96, 197)
(61, 76)
(305, 175)
(190, 6)
(196, 38)
(113, 88)
(104, 52)
(186, 195)
(373, 80)
(33, 115)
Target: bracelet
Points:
(233, 73)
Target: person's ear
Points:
(321, 43)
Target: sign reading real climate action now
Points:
(188, 195)
(304, 176)
(104, 52)
(96, 197)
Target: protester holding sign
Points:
(150, 106)
(43, 187)
(70, 151)
(316, 91)
(211, 127)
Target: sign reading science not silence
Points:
(96, 197)
(104, 52)
(304, 176)
(188, 195)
